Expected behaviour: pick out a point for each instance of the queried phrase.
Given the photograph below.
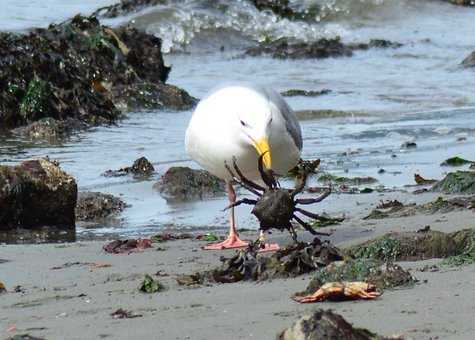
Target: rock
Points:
(459, 182)
(94, 206)
(324, 48)
(141, 168)
(321, 114)
(414, 246)
(382, 275)
(408, 145)
(183, 184)
(51, 129)
(376, 43)
(82, 70)
(36, 193)
(153, 96)
(324, 325)
(469, 61)
(347, 180)
(283, 49)
(439, 205)
(304, 93)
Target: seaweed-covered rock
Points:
(322, 114)
(141, 168)
(294, 260)
(36, 193)
(248, 264)
(323, 48)
(456, 161)
(183, 183)
(347, 180)
(324, 325)
(304, 93)
(83, 70)
(376, 43)
(465, 243)
(93, 206)
(394, 209)
(50, 128)
(283, 49)
(413, 246)
(151, 96)
(459, 182)
(382, 275)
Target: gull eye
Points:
(243, 123)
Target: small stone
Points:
(184, 184)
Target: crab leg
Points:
(267, 176)
(309, 228)
(244, 184)
(244, 179)
(316, 216)
(241, 201)
(313, 200)
(292, 232)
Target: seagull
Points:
(243, 122)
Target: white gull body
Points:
(230, 120)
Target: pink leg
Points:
(233, 240)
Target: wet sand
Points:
(76, 302)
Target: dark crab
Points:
(276, 207)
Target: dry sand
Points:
(76, 302)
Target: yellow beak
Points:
(262, 147)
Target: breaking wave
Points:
(181, 22)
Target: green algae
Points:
(465, 239)
(459, 182)
(149, 285)
(386, 248)
(34, 103)
(456, 161)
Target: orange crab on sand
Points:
(341, 291)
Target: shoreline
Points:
(76, 301)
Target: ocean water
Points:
(414, 93)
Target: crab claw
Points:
(266, 174)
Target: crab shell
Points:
(274, 209)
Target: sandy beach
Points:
(109, 132)
(75, 302)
